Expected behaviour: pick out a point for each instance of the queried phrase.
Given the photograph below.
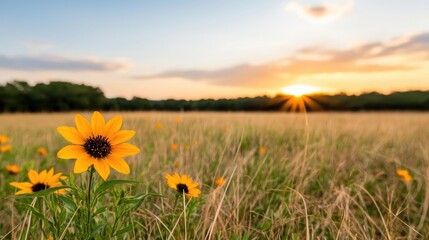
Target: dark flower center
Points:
(98, 147)
(182, 188)
(11, 172)
(39, 187)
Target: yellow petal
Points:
(97, 123)
(121, 136)
(188, 181)
(118, 163)
(21, 185)
(54, 179)
(183, 179)
(24, 191)
(170, 181)
(102, 167)
(56, 184)
(194, 193)
(33, 176)
(61, 191)
(172, 185)
(402, 172)
(125, 149)
(71, 152)
(112, 126)
(83, 163)
(71, 134)
(169, 177)
(50, 173)
(42, 176)
(176, 177)
(83, 126)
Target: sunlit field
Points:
(335, 178)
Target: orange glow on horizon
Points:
(299, 90)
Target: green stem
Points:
(88, 201)
(177, 200)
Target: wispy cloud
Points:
(330, 10)
(57, 63)
(35, 47)
(240, 75)
(367, 58)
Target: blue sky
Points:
(194, 49)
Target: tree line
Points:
(59, 96)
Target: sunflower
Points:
(12, 169)
(5, 148)
(98, 144)
(404, 175)
(220, 181)
(42, 151)
(158, 125)
(183, 184)
(262, 150)
(174, 147)
(39, 181)
(3, 139)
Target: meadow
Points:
(331, 176)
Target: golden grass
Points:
(342, 184)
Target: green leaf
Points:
(124, 230)
(106, 185)
(137, 200)
(96, 230)
(100, 210)
(37, 213)
(68, 202)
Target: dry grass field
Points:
(335, 178)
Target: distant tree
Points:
(57, 96)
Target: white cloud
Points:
(58, 63)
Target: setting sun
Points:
(299, 90)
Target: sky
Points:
(217, 48)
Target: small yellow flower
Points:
(177, 119)
(39, 182)
(3, 139)
(262, 150)
(158, 125)
(176, 165)
(99, 144)
(183, 184)
(12, 169)
(42, 151)
(173, 147)
(186, 148)
(404, 175)
(220, 181)
(5, 148)
(50, 238)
